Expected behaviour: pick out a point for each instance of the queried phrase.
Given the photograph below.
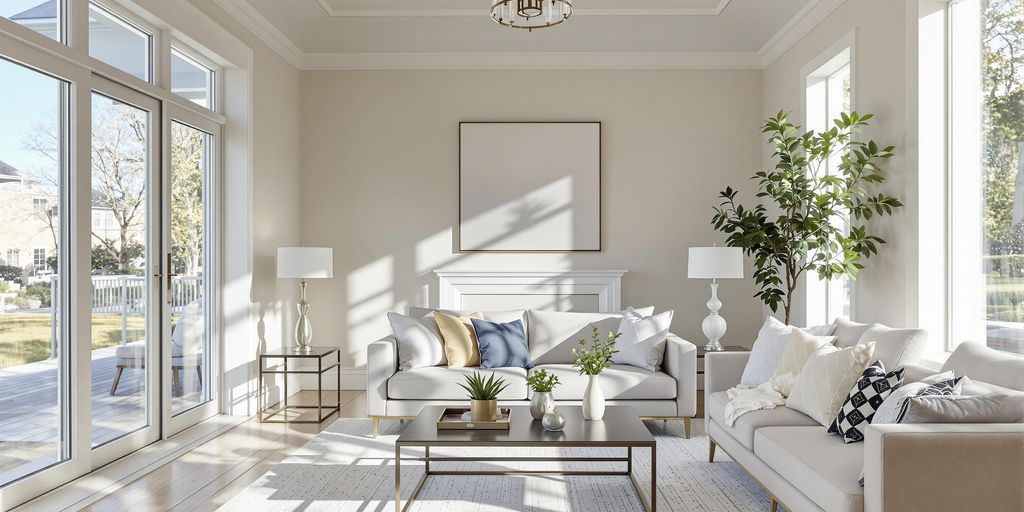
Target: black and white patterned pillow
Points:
(873, 387)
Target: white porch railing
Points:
(125, 295)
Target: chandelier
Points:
(530, 14)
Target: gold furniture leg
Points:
(711, 450)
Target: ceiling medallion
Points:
(530, 14)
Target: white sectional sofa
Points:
(907, 467)
(667, 394)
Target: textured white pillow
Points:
(826, 380)
(767, 350)
(419, 341)
(642, 340)
(799, 349)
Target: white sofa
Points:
(907, 467)
(667, 394)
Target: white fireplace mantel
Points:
(603, 285)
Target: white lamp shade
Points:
(305, 262)
(715, 263)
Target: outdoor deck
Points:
(29, 411)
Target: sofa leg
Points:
(774, 505)
(686, 426)
(711, 450)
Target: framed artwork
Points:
(529, 186)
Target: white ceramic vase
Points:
(541, 404)
(593, 400)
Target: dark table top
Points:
(728, 348)
(293, 351)
(620, 427)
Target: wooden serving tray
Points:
(451, 419)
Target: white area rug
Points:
(345, 469)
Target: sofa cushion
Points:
(137, 350)
(747, 424)
(504, 316)
(553, 334)
(442, 383)
(619, 382)
(980, 362)
(895, 347)
(821, 465)
(848, 333)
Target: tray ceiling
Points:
(463, 26)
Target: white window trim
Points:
(841, 53)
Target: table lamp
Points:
(715, 263)
(304, 263)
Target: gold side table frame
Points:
(323, 411)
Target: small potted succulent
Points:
(483, 396)
(592, 361)
(542, 383)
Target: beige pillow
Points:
(799, 349)
(460, 344)
(827, 379)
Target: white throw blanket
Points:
(743, 399)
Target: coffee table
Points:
(620, 428)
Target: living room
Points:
(512, 255)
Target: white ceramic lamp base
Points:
(714, 325)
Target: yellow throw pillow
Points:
(460, 344)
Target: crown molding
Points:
(373, 13)
(810, 16)
(262, 28)
(526, 60)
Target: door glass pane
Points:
(32, 155)
(43, 16)
(120, 344)
(191, 80)
(1002, 84)
(116, 41)
(190, 341)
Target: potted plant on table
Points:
(592, 361)
(542, 383)
(483, 396)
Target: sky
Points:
(27, 98)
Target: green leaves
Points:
(593, 360)
(817, 190)
(480, 388)
(542, 382)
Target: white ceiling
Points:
(316, 33)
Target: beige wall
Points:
(380, 183)
(886, 290)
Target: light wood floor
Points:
(208, 476)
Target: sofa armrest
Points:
(381, 364)
(722, 370)
(924, 467)
(681, 365)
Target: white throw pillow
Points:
(767, 350)
(419, 341)
(826, 380)
(889, 411)
(896, 347)
(642, 340)
(799, 349)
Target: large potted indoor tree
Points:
(811, 216)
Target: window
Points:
(39, 259)
(43, 16)
(828, 93)
(13, 258)
(39, 205)
(987, 173)
(191, 79)
(119, 42)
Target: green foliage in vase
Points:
(480, 388)
(594, 359)
(541, 381)
(809, 218)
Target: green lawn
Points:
(25, 338)
(1005, 298)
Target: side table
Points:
(321, 355)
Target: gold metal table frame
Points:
(319, 354)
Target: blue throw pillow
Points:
(502, 345)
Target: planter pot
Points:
(541, 404)
(483, 410)
(593, 400)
